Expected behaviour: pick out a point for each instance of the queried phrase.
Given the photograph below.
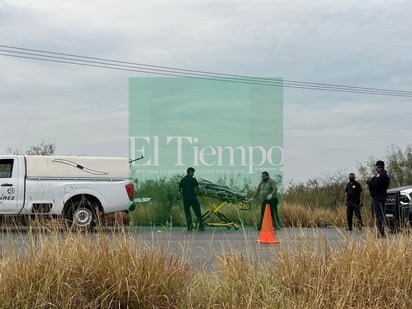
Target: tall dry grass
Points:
(374, 273)
(297, 215)
(107, 271)
(86, 271)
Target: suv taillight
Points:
(130, 191)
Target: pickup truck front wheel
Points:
(80, 215)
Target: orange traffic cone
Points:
(267, 234)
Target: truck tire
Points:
(81, 215)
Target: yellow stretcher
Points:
(215, 197)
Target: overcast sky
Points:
(84, 111)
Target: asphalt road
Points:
(203, 249)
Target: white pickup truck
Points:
(73, 187)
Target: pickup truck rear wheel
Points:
(82, 217)
(81, 214)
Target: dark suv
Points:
(398, 208)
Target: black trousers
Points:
(273, 203)
(194, 203)
(353, 207)
(378, 205)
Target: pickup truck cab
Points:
(398, 208)
(73, 187)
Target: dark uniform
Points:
(372, 194)
(188, 186)
(378, 186)
(353, 199)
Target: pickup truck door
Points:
(9, 185)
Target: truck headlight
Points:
(404, 199)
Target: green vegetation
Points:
(315, 203)
(398, 162)
(325, 193)
(166, 209)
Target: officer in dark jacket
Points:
(354, 200)
(378, 186)
(187, 187)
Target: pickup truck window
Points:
(6, 168)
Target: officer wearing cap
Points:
(378, 186)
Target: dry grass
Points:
(91, 271)
(85, 271)
(370, 274)
(292, 215)
(297, 215)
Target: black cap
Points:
(380, 163)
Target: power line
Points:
(42, 55)
(151, 69)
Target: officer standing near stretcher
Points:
(267, 192)
(187, 188)
(378, 186)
